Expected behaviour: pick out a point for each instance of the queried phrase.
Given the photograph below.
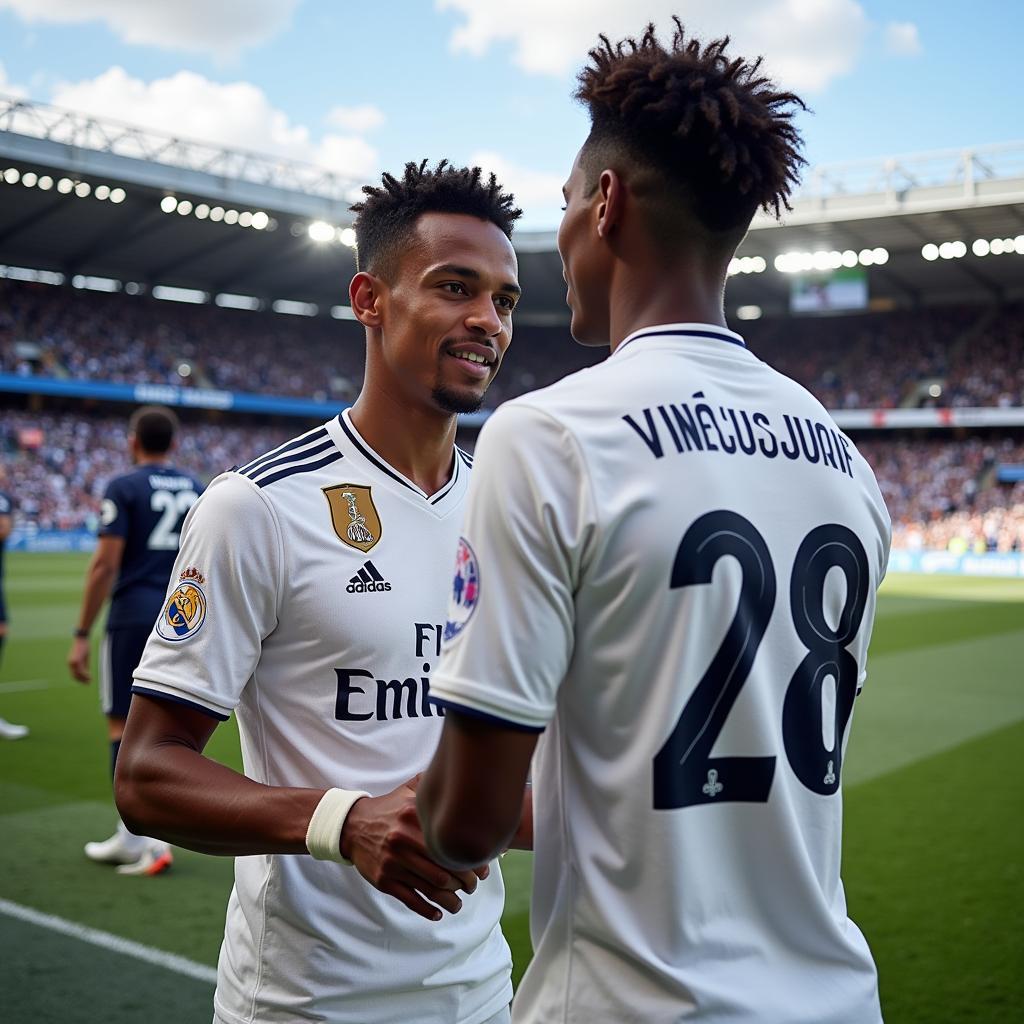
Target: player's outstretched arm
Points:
(471, 799)
(165, 787)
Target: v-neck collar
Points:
(365, 454)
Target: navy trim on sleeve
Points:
(493, 719)
(160, 695)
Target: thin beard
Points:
(450, 401)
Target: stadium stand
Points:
(972, 355)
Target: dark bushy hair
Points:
(389, 213)
(154, 426)
(714, 126)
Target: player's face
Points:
(448, 317)
(584, 261)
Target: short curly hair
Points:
(388, 214)
(715, 127)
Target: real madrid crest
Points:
(353, 515)
(185, 611)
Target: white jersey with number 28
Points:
(669, 565)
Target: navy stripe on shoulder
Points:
(305, 467)
(289, 459)
(307, 438)
(461, 709)
(174, 699)
(370, 456)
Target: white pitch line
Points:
(20, 685)
(105, 940)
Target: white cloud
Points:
(902, 39)
(359, 119)
(9, 88)
(235, 114)
(807, 43)
(220, 27)
(537, 193)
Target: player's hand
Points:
(78, 659)
(383, 839)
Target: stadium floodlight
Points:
(12, 175)
(293, 308)
(29, 274)
(230, 216)
(202, 211)
(184, 370)
(849, 258)
(102, 192)
(170, 294)
(321, 231)
(95, 284)
(118, 195)
(65, 186)
(168, 204)
(930, 251)
(133, 288)
(227, 300)
(934, 390)
(1018, 245)
(45, 183)
(980, 247)
(866, 257)
(347, 236)
(217, 214)
(184, 207)
(880, 255)
(82, 189)
(749, 313)
(260, 221)
(245, 219)
(996, 247)
(343, 313)
(29, 179)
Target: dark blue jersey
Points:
(6, 509)
(146, 507)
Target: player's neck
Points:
(151, 460)
(684, 296)
(416, 441)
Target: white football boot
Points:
(155, 859)
(10, 731)
(121, 848)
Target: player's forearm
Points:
(174, 793)
(99, 581)
(523, 838)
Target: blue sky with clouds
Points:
(361, 87)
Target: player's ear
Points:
(364, 294)
(611, 198)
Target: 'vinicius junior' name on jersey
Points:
(696, 425)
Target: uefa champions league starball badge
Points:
(465, 590)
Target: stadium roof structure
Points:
(106, 205)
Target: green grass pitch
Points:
(934, 803)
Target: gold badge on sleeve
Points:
(353, 515)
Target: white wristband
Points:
(323, 836)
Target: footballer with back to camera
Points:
(676, 556)
(140, 522)
(316, 579)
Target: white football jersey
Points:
(669, 565)
(308, 597)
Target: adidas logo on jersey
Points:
(367, 580)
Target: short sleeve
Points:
(221, 603)
(529, 524)
(114, 511)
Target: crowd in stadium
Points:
(882, 360)
(58, 465)
(941, 494)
